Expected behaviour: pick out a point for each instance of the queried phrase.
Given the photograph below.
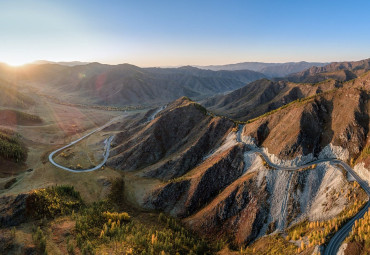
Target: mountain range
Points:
(269, 69)
(126, 84)
(258, 165)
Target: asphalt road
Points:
(336, 241)
(107, 143)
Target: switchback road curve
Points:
(338, 238)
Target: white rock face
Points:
(297, 161)
(363, 172)
(329, 178)
(317, 183)
(342, 248)
(332, 151)
(250, 141)
(229, 142)
(252, 162)
(317, 250)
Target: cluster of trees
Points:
(102, 224)
(361, 232)
(123, 234)
(11, 148)
(22, 116)
(319, 232)
(53, 201)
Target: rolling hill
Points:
(126, 84)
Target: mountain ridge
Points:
(269, 69)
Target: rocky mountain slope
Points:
(171, 144)
(126, 84)
(338, 117)
(342, 71)
(220, 188)
(263, 96)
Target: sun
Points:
(17, 61)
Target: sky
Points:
(184, 32)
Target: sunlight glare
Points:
(15, 62)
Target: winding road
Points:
(107, 143)
(336, 241)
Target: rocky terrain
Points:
(171, 144)
(263, 96)
(332, 123)
(342, 71)
(228, 186)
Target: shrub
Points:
(40, 240)
(53, 201)
(116, 192)
(11, 148)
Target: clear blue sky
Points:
(179, 32)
